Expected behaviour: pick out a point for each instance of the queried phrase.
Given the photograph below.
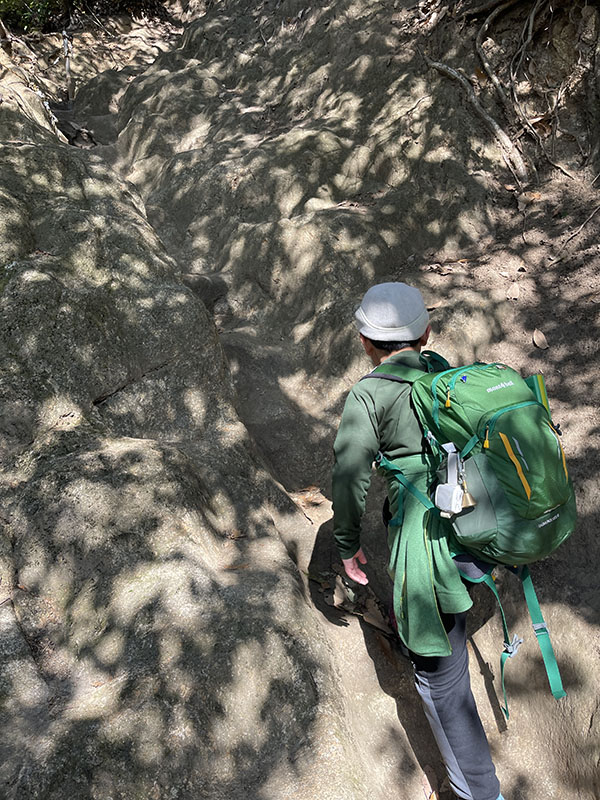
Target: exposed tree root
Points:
(513, 157)
(514, 108)
(486, 64)
(573, 235)
(526, 38)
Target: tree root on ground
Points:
(513, 157)
(556, 260)
(514, 108)
(526, 39)
(486, 64)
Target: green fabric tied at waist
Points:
(426, 580)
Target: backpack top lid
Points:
(490, 409)
(453, 403)
(457, 403)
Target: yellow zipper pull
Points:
(448, 399)
(486, 441)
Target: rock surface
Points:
(176, 342)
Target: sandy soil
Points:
(516, 279)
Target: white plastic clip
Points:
(512, 648)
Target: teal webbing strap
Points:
(469, 446)
(510, 646)
(433, 362)
(382, 461)
(543, 637)
(541, 632)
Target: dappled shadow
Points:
(288, 157)
(129, 596)
(147, 574)
(393, 670)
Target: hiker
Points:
(430, 599)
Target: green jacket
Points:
(377, 417)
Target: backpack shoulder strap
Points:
(434, 361)
(390, 371)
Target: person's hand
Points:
(353, 570)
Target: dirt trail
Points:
(286, 156)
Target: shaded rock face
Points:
(145, 565)
(176, 341)
(146, 631)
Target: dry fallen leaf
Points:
(373, 616)
(340, 595)
(235, 534)
(513, 291)
(540, 340)
(439, 269)
(527, 198)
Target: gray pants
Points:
(445, 689)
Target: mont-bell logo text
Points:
(503, 385)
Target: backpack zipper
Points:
(489, 429)
(562, 452)
(490, 423)
(436, 403)
(458, 371)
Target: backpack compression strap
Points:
(511, 646)
(539, 626)
(541, 631)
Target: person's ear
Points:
(425, 338)
(367, 345)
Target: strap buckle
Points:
(540, 628)
(511, 648)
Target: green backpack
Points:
(503, 480)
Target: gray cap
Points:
(392, 312)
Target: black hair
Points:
(390, 347)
